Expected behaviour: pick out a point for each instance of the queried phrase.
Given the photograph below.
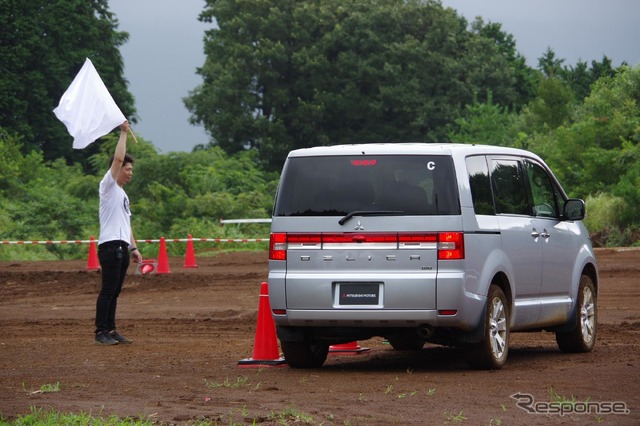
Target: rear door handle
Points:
(536, 234)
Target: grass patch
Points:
(46, 388)
(560, 399)
(48, 417)
(239, 382)
(291, 414)
(42, 417)
(453, 418)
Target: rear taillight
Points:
(417, 241)
(278, 246)
(450, 245)
(304, 239)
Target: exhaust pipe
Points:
(425, 331)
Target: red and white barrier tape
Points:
(173, 240)
(213, 240)
(48, 242)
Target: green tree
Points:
(486, 123)
(561, 89)
(37, 199)
(550, 65)
(287, 74)
(552, 104)
(596, 150)
(526, 78)
(172, 195)
(603, 68)
(581, 77)
(43, 45)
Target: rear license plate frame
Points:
(359, 294)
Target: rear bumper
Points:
(467, 318)
(450, 294)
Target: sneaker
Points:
(119, 338)
(103, 338)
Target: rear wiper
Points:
(369, 213)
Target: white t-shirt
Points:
(115, 216)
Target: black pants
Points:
(114, 262)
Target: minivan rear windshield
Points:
(390, 184)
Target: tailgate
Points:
(361, 271)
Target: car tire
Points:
(304, 354)
(583, 337)
(491, 352)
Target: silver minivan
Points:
(442, 243)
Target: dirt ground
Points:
(191, 327)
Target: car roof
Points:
(409, 148)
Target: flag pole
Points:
(134, 136)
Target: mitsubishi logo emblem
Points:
(359, 227)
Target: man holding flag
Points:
(116, 242)
(89, 112)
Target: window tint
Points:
(509, 188)
(337, 185)
(543, 192)
(480, 185)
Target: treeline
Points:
(591, 144)
(172, 195)
(281, 75)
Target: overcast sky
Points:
(166, 46)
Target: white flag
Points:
(87, 108)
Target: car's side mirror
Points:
(573, 209)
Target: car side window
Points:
(509, 187)
(543, 193)
(480, 185)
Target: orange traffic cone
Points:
(352, 348)
(190, 257)
(265, 349)
(163, 259)
(92, 263)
